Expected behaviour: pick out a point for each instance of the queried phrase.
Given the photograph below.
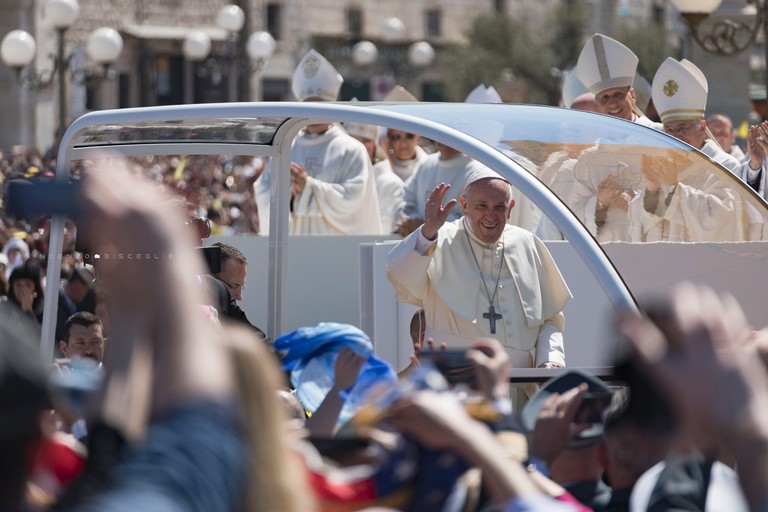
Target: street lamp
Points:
(726, 37)
(259, 46)
(420, 54)
(231, 18)
(18, 50)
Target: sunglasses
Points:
(395, 138)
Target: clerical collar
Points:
(474, 238)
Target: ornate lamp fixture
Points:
(726, 37)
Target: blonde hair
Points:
(277, 480)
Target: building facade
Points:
(153, 70)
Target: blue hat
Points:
(310, 353)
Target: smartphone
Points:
(593, 407)
(453, 364)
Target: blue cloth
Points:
(310, 353)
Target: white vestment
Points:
(737, 153)
(430, 174)
(404, 169)
(446, 282)
(390, 190)
(340, 195)
(716, 153)
(644, 121)
(557, 174)
(701, 207)
(592, 167)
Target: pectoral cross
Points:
(492, 316)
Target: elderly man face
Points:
(687, 130)
(722, 129)
(616, 102)
(486, 204)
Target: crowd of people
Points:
(181, 410)
(162, 395)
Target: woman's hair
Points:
(29, 270)
(277, 479)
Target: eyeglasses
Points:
(677, 130)
(232, 286)
(396, 138)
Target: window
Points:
(273, 20)
(355, 22)
(433, 23)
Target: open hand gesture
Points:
(435, 214)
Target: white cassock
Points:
(525, 214)
(446, 282)
(701, 207)
(429, 175)
(558, 173)
(340, 195)
(592, 167)
(390, 190)
(644, 121)
(713, 150)
(404, 169)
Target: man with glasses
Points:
(680, 92)
(679, 200)
(233, 274)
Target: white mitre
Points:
(679, 91)
(483, 94)
(399, 94)
(605, 63)
(572, 88)
(315, 77)
(366, 131)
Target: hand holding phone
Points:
(453, 364)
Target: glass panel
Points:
(248, 131)
(623, 181)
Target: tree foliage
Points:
(651, 44)
(503, 51)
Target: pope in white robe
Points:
(481, 277)
(339, 197)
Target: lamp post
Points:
(418, 55)
(231, 18)
(19, 48)
(725, 37)
(259, 46)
